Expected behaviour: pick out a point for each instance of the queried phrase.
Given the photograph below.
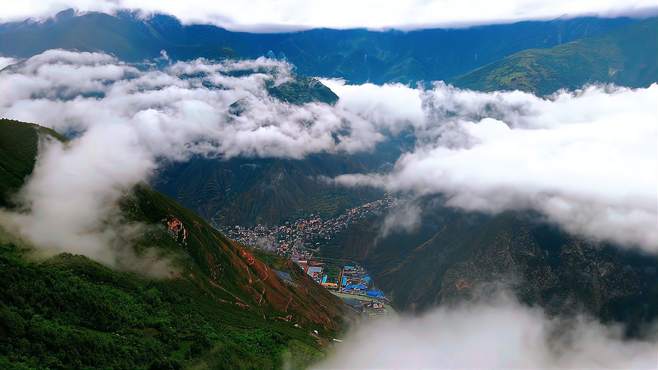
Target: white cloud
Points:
(496, 334)
(129, 119)
(266, 15)
(587, 161)
(392, 106)
(404, 217)
(72, 195)
(4, 62)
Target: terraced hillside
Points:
(224, 306)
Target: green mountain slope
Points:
(265, 191)
(249, 191)
(627, 56)
(453, 254)
(18, 151)
(224, 308)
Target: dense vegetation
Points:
(248, 191)
(627, 57)
(18, 150)
(68, 311)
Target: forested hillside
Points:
(222, 305)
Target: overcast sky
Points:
(268, 15)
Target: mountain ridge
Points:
(357, 55)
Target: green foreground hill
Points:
(225, 306)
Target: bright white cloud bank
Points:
(263, 15)
(501, 334)
(130, 119)
(587, 161)
(4, 62)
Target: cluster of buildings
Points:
(301, 238)
(351, 283)
(355, 280)
(301, 241)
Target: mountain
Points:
(250, 191)
(627, 56)
(453, 254)
(261, 191)
(302, 90)
(357, 55)
(225, 306)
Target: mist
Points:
(586, 160)
(128, 120)
(491, 333)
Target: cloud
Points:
(393, 107)
(264, 15)
(4, 62)
(129, 119)
(498, 333)
(586, 160)
(72, 195)
(404, 217)
(181, 110)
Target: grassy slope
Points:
(627, 56)
(70, 312)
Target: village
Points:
(301, 240)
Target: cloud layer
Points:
(586, 160)
(264, 15)
(186, 108)
(126, 120)
(495, 334)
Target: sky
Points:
(267, 15)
